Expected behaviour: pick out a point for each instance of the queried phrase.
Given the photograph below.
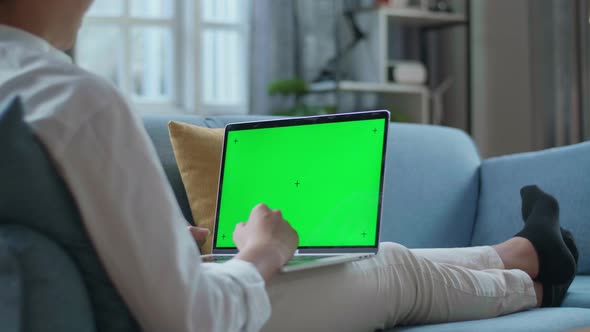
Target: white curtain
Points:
(272, 50)
(558, 73)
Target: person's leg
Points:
(399, 287)
(395, 287)
(485, 257)
(475, 258)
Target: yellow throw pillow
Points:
(198, 156)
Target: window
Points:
(224, 62)
(179, 55)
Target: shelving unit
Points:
(371, 58)
(419, 91)
(419, 17)
(330, 86)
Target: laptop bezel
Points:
(286, 122)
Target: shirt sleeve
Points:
(139, 232)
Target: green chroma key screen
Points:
(325, 178)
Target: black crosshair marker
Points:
(223, 236)
(236, 141)
(374, 130)
(364, 234)
(297, 184)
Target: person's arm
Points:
(141, 237)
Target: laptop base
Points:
(300, 262)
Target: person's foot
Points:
(556, 262)
(553, 295)
(529, 195)
(570, 242)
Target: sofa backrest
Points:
(431, 185)
(563, 172)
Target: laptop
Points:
(325, 174)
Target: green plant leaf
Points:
(294, 86)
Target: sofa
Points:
(438, 193)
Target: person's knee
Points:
(394, 253)
(392, 247)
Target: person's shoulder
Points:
(91, 90)
(64, 98)
(81, 93)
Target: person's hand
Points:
(200, 234)
(266, 240)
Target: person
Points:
(109, 164)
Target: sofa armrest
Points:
(40, 287)
(563, 172)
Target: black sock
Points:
(529, 195)
(570, 242)
(553, 295)
(556, 262)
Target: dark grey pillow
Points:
(41, 290)
(32, 194)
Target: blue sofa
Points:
(438, 193)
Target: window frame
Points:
(243, 30)
(187, 26)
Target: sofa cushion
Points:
(43, 275)
(11, 289)
(156, 126)
(431, 186)
(578, 295)
(198, 155)
(536, 320)
(563, 172)
(33, 195)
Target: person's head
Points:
(56, 21)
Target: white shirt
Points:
(129, 210)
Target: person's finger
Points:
(262, 208)
(278, 213)
(200, 234)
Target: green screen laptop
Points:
(325, 173)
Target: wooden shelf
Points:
(419, 17)
(371, 60)
(353, 86)
(405, 96)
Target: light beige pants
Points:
(399, 286)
